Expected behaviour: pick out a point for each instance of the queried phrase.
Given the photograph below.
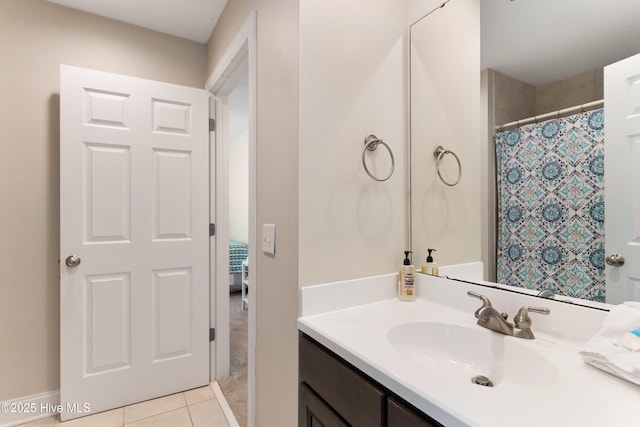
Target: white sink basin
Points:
(465, 352)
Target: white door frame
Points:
(241, 50)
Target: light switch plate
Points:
(269, 239)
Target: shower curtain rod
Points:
(564, 112)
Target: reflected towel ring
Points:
(371, 144)
(439, 152)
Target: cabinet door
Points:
(399, 415)
(357, 400)
(313, 412)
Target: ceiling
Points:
(540, 41)
(189, 19)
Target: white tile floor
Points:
(193, 408)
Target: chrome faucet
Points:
(488, 317)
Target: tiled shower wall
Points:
(514, 99)
(517, 100)
(576, 90)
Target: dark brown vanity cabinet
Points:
(332, 393)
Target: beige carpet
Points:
(234, 387)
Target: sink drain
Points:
(482, 380)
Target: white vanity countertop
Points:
(576, 394)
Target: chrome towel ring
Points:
(371, 144)
(439, 152)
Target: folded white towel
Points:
(603, 350)
(630, 340)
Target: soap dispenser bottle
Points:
(430, 267)
(407, 288)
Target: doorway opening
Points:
(234, 386)
(233, 86)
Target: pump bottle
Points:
(430, 267)
(407, 288)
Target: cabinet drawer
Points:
(357, 400)
(399, 415)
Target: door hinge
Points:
(212, 334)
(212, 125)
(212, 230)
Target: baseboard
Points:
(226, 409)
(29, 408)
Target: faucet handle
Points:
(546, 293)
(522, 319)
(485, 302)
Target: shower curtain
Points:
(550, 192)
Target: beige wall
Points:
(277, 198)
(35, 38)
(417, 9)
(239, 183)
(352, 84)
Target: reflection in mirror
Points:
(550, 192)
(539, 140)
(445, 111)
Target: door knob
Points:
(615, 260)
(72, 261)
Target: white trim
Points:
(224, 405)
(243, 46)
(236, 52)
(45, 405)
(213, 268)
(222, 310)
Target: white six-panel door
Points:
(622, 178)
(134, 211)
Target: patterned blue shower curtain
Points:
(550, 191)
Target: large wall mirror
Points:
(513, 90)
